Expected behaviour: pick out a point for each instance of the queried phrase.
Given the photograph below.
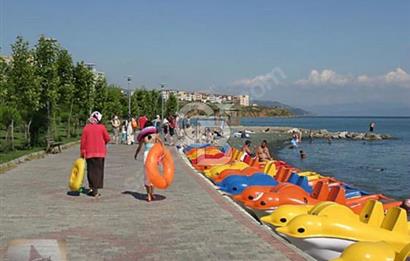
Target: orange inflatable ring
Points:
(156, 155)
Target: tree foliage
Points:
(42, 88)
(171, 105)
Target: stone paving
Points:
(188, 221)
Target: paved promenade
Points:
(189, 221)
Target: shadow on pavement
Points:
(143, 196)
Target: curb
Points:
(264, 232)
(4, 167)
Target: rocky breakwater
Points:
(325, 134)
(316, 134)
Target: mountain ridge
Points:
(276, 104)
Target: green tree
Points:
(137, 105)
(45, 58)
(24, 89)
(10, 117)
(65, 72)
(84, 92)
(100, 98)
(171, 105)
(4, 69)
(115, 102)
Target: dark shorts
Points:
(171, 131)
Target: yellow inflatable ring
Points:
(157, 154)
(77, 175)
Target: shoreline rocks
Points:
(319, 134)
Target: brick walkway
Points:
(191, 221)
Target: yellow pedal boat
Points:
(326, 236)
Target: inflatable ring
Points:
(156, 154)
(146, 131)
(77, 175)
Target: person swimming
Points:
(302, 154)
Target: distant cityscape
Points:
(195, 96)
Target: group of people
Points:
(93, 147)
(262, 151)
(125, 132)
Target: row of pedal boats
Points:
(323, 216)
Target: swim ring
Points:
(146, 131)
(77, 175)
(156, 155)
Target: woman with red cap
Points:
(93, 148)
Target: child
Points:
(124, 133)
(147, 140)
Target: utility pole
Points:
(129, 96)
(162, 101)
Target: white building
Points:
(93, 68)
(244, 100)
(197, 96)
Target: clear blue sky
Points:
(196, 44)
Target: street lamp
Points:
(162, 101)
(129, 96)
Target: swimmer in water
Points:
(302, 154)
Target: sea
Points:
(373, 166)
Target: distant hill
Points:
(276, 104)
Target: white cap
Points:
(96, 115)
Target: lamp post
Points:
(162, 101)
(129, 96)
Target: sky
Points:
(330, 57)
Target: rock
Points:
(358, 136)
(386, 136)
(372, 136)
(323, 131)
(342, 135)
(318, 135)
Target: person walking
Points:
(142, 120)
(124, 132)
(171, 128)
(147, 138)
(165, 130)
(157, 123)
(130, 133)
(116, 123)
(93, 148)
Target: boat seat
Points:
(396, 220)
(283, 174)
(300, 181)
(372, 213)
(321, 191)
(404, 254)
(270, 168)
(337, 194)
(254, 162)
(247, 159)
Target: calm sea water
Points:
(378, 166)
